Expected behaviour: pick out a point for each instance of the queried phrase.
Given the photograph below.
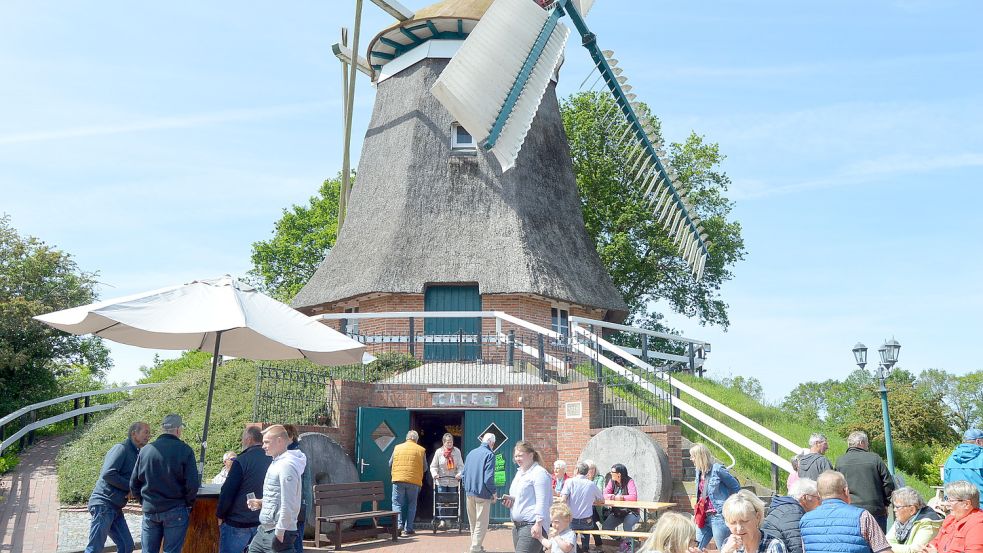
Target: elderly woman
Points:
(559, 476)
(743, 513)
(226, 467)
(962, 530)
(529, 499)
(675, 533)
(715, 482)
(446, 468)
(914, 523)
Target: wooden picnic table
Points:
(644, 506)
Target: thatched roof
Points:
(420, 215)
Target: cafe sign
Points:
(464, 397)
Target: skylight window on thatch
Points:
(461, 139)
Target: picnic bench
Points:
(329, 499)
(642, 536)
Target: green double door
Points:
(379, 430)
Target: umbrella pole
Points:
(208, 404)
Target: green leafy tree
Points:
(915, 416)
(748, 386)
(301, 239)
(634, 247)
(961, 395)
(35, 279)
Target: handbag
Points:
(700, 512)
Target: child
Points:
(562, 537)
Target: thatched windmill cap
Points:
(446, 20)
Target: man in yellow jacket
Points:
(408, 463)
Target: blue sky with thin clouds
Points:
(156, 142)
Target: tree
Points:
(748, 386)
(634, 247)
(915, 416)
(35, 279)
(301, 239)
(962, 396)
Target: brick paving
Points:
(29, 508)
(496, 541)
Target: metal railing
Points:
(28, 414)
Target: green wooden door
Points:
(377, 434)
(457, 339)
(507, 425)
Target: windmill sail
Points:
(494, 84)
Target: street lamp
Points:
(889, 356)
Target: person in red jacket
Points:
(962, 530)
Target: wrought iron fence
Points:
(295, 394)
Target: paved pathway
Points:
(29, 508)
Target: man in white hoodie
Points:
(281, 494)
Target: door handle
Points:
(362, 464)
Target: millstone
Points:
(647, 462)
(330, 464)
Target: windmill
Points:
(494, 84)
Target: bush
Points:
(8, 461)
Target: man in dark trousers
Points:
(237, 522)
(479, 485)
(870, 483)
(109, 495)
(165, 481)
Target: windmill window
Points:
(461, 139)
(351, 324)
(561, 323)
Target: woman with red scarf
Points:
(446, 468)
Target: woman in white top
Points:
(446, 469)
(226, 467)
(529, 499)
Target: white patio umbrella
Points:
(223, 315)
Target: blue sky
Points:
(156, 142)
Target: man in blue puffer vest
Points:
(966, 462)
(838, 527)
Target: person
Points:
(408, 463)
(447, 468)
(280, 505)
(793, 476)
(621, 487)
(715, 482)
(838, 527)
(814, 463)
(966, 461)
(306, 487)
(112, 487)
(785, 512)
(915, 524)
(479, 487)
(598, 480)
(871, 484)
(165, 481)
(743, 514)
(559, 476)
(581, 493)
(561, 538)
(962, 530)
(237, 523)
(227, 459)
(529, 499)
(674, 533)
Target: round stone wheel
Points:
(646, 460)
(330, 464)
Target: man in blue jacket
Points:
(479, 485)
(165, 482)
(237, 522)
(838, 527)
(110, 492)
(966, 462)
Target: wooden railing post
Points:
(774, 468)
(75, 419)
(85, 417)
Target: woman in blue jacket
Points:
(715, 482)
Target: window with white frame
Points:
(352, 324)
(560, 319)
(461, 139)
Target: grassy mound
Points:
(184, 393)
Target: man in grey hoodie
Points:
(814, 463)
(281, 494)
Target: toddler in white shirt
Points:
(562, 537)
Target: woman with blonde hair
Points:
(675, 533)
(743, 513)
(529, 499)
(715, 483)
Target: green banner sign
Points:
(499, 472)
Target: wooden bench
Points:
(641, 536)
(348, 498)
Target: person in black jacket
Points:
(110, 492)
(785, 512)
(165, 482)
(237, 522)
(870, 483)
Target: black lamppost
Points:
(889, 356)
